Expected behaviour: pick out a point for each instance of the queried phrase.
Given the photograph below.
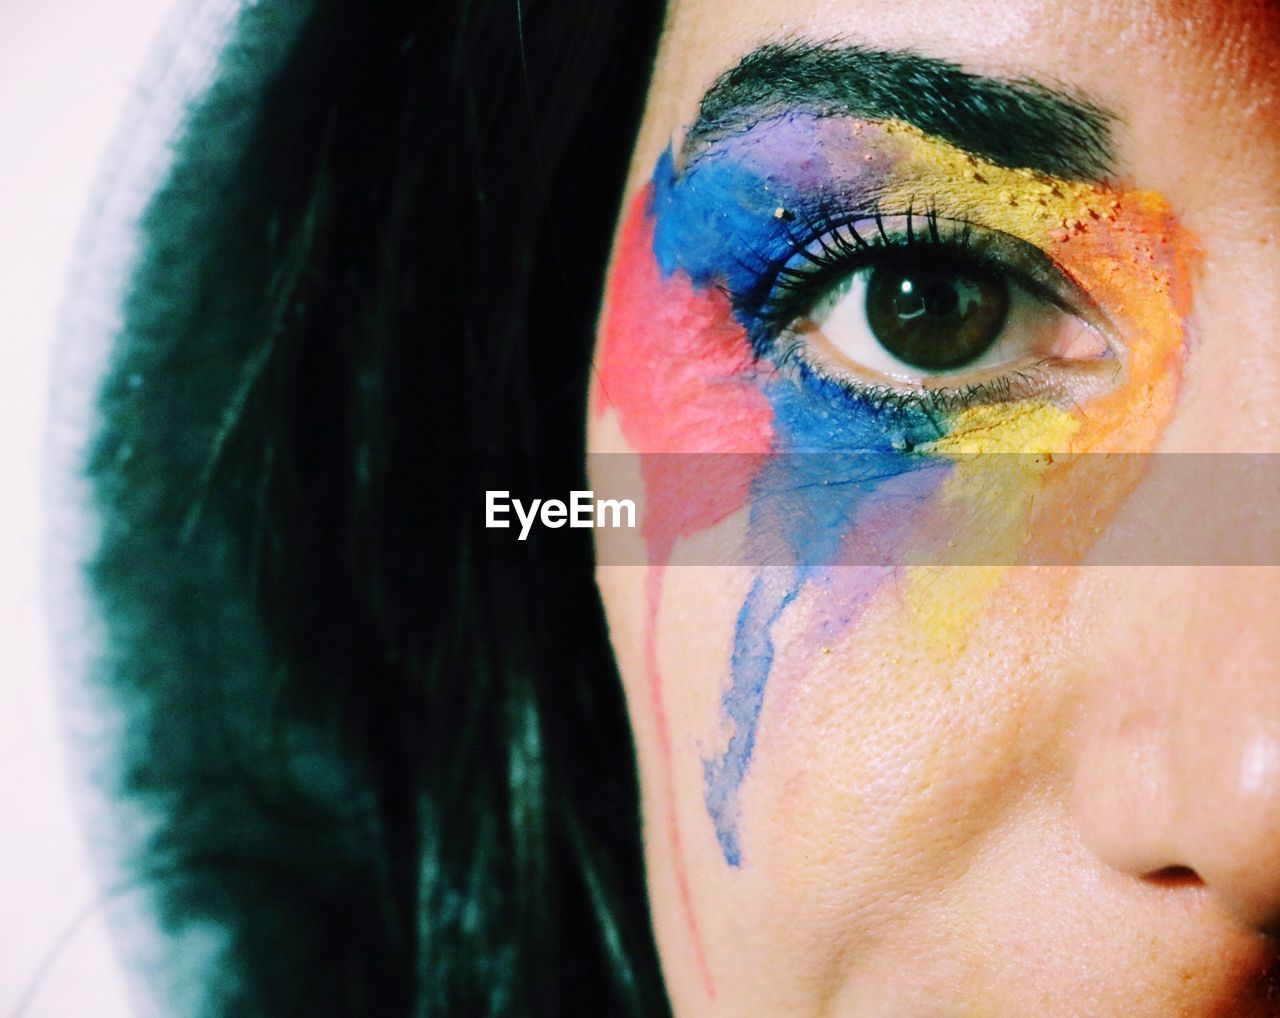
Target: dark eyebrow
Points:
(1014, 123)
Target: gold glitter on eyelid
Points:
(1026, 204)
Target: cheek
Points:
(892, 757)
(880, 767)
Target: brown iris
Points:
(934, 313)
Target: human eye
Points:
(912, 308)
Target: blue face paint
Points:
(722, 221)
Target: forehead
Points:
(1232, 41)
(1194, 85)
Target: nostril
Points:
(1175, 876)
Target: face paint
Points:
(691, 362)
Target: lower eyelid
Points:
(1046, 380)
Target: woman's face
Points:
(934, 718)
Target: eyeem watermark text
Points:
(582, 510)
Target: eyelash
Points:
(828, 245)
(784, 292)
(1019, 383)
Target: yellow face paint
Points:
(1126, 250)
(1002, 453)
(1024, 427)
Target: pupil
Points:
(935, 313)
(941, 299)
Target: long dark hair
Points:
(386, 760)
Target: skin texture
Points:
(1002, 789)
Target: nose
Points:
(1178, 765)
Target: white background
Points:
(67, 70)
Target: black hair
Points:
(385, 759)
